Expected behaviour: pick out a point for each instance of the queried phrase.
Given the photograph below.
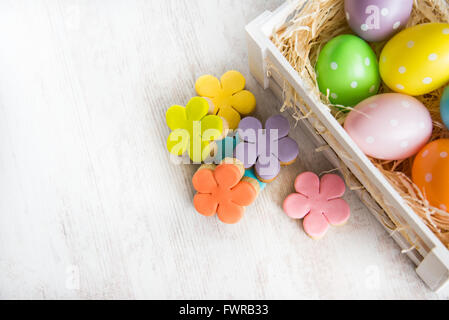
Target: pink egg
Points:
(389, 126)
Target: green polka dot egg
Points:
(347, 70)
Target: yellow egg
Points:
(416, 60)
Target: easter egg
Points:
(416, 60)
(430, 173)
(389, 126)
(347, 70)
(377, 20)
(444, 107)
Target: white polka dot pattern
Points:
(433, 56)
(427, 80)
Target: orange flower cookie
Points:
(228, 96)
(223, 190)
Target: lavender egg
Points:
(377, 20)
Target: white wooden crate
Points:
(413, 236)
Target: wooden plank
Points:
(90, 205)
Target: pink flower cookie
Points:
(318, 202)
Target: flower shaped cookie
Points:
(227, 95)
(319, 202)
(266, 149)
(222, 190)
(193, 129)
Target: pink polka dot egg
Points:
(390, 126)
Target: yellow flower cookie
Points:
(230, 99)
(192, 129)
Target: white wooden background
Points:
(91, 207)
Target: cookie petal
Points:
(231, 116)
(308, 184)
(176, 117)
(332, 186)
(296, 206)
(315, 224)
(227, 175)
(288, 150)
(278, 123)
(211, 128)
(178, 142)
(208, 86)
(229, 212)
(249, 128)
(244, 102)
(243, 194)
(267, 168)
(198, 149)
(337, 212)
(246, 153)
(232, 82)
(203, 181)
(197, 108)
(205, 204)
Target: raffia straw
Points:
(300, 40)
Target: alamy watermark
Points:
(258, 143)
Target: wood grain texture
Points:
(90, 205)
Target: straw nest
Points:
(300, 39)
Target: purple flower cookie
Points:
(267, 149)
